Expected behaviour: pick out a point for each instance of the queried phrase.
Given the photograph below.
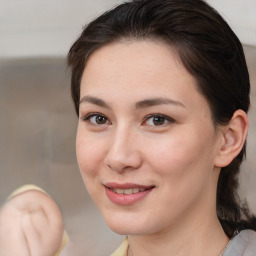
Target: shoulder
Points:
(243, 244)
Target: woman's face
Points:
(146, 143)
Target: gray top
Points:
(243, 244)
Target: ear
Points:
(232, 139)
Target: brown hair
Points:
(208, 49)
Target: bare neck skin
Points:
(198, 242)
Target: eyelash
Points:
(91, 115)
(164, 118)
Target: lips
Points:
(126, 194)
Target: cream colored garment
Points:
(243, 244)
(122, 249)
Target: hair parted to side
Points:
(208, 49)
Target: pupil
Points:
(100, 120)
(158, 120)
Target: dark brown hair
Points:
(208, 49)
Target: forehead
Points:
(136, 68)
(127, 58)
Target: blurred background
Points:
(38, 123)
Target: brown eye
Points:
(96, 119)
(100, 119)
(158, 120)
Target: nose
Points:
(123, 151)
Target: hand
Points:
(30, 225)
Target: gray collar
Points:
(243, 244)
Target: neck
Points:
(180, 242)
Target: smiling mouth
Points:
(127, 194)
(128, 191)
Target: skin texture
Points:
(180, 154)
(30, 225)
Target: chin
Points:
(123, 225)
(121, 230)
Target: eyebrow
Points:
(95, 101)
(157, 101)
(140, 104)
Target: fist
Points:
(30, 225)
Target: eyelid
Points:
(168, 118)
(86, 118)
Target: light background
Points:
(47, 28)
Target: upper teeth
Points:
(128, 191)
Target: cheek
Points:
(188, 153)
(89, 154)
(90, 159)
(183, 168)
